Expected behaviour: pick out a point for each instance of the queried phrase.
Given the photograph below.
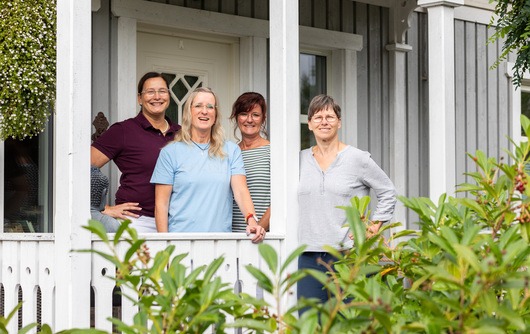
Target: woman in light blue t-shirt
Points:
(198, 175)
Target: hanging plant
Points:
(27, 66)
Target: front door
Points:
(189, 61)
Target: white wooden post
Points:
(398, 124)
(253, 65)
(285, 126)
(71, 164)
(442, 150)
(400, 14)
(344, 90)
(123, 90)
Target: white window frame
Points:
(516, 135)
(329, 82)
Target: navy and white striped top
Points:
(258, 168)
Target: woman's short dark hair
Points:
(147, 76)
(246, 101)
(321, 102)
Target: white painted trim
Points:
(398, 125)
(124, 87)
(470, 14)
(127, 105)
(2, 186)
(442, 150)
(328, 39)
(485, 4)
(71, 160)
(437, 3)
(344, 76)
(285, 130)
(219, 23)
(253, 75)
(516, 104)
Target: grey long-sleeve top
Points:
(353, 173)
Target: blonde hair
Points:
(217, 137)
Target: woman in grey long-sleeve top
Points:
(332, 172)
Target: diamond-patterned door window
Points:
(180, 87)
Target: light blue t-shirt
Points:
(201, 198)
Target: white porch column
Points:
(71, 164)
(285, 126)
(123, 87)
(253, 65)
(400, 15)
(441, 96)
(126, 82)
(398, 124)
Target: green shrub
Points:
(27, 66)
(464, 271)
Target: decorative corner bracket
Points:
(400, 15)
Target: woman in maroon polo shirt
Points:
(134, 145)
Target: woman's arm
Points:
(97, 158)
(265, 219)
(244, 201)
(162, 195)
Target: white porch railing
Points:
(28, 271)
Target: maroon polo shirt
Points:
(134, 146)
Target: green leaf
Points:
(465, 253)
(513, 318)
(263, 280)
(27, 328)
(98, 229)
(259, 325)
(159, 264)
(294, 255)
(473, 205)
(132, 250)
(357, 226)
(121, 229)
(212, 268)
(269, 255)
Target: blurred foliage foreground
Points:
(464, 271)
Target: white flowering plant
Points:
(27, 66)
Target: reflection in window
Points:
(525, 104)
(312, 82)
(27, 185)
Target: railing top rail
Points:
(146, 236)
(27, 237)
(197, 236)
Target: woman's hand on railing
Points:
(256, 232)
(122, 211)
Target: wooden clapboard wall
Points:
(483, 107)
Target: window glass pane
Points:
(525, 106)
(312, 82)
(27, 184)
(306, 137)
(180, 85)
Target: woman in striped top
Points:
(249, 113)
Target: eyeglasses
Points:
(209, 107)
(152, 92)
(244, 115)
(329, 119)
